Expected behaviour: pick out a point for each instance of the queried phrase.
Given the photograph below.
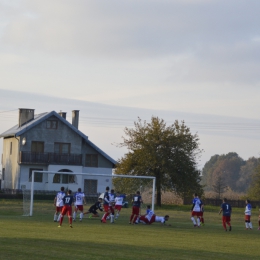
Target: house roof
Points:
(17, 131)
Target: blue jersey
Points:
(196, 205)
(248, 209)
(137, 201)
(123, 196)
(68, 200)
(226, 209)
(147, 211)
(106, 198)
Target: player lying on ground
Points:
(93, 209)
(151, 218)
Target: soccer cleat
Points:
(198, 226)
(70, 226)
(103, 221)
(74, 220)
(80, 220)
(130, 223)
(55, 220)
(225, 229)
(195, 225)
(230, 228)
(59, 226)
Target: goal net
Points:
(44, 186)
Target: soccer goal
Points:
(92, 184)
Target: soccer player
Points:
(58, 203)
(106, 202)
(118, 204)
(112, 205)
(202, 212)
(145, 218)
(248, 215)
(148, 209)
(136, 202)
(79, 200)
(67, 208)
(196, 210)
(151, 218)
(226, 214)
(93, 209)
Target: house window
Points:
(56, 178)
(64, 178)
(90, 186)
(37, 175)
(11, 148)
(3, 174)
(52, 124)
(91, 160)
(62, 148)
(37, 147)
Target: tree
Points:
(246, 173)
(167, 152)
(254, 190)
(229, 163)
(219, 186)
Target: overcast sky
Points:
(192, 60)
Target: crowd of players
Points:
(111, 204)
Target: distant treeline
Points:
(231, 170)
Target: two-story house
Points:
(48, 142)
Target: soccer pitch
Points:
(38, 237)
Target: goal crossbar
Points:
(91, 174)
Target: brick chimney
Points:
(25, 116)
(75, 118)
(63, 114)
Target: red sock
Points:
(61, 219)
(105, 216)
(224, 225)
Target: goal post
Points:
(145, 184)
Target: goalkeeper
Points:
(93, 209)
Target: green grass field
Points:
(38, 237)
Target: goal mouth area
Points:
(79, 176)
